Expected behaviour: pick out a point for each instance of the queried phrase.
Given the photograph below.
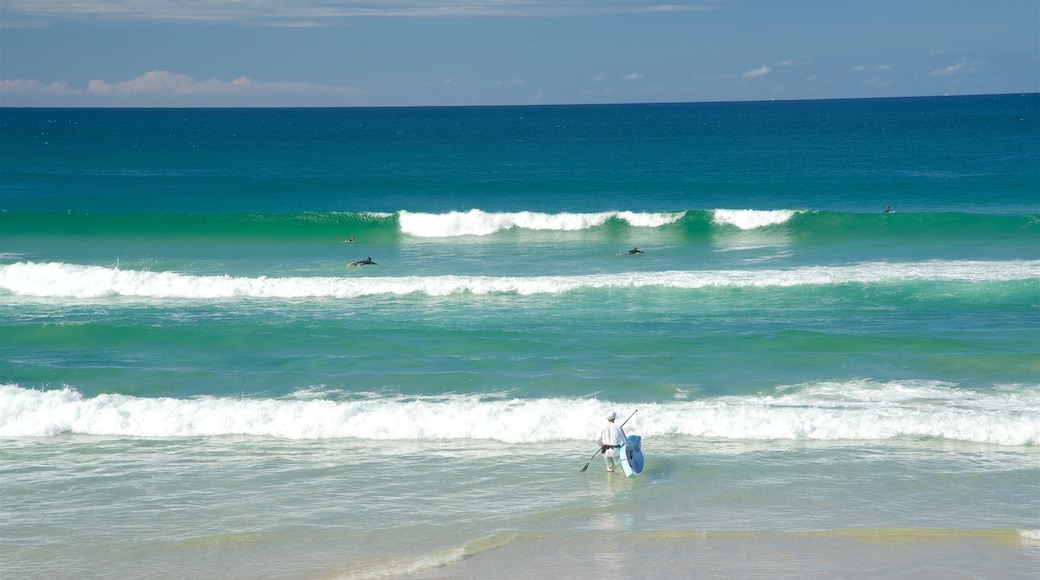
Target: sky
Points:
(364, 53)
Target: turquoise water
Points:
(193, 381)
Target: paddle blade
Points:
(590, 461)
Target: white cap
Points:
(611, 416)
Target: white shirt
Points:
(612, 434)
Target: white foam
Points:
(476, 222)
(749, 219)
(396, 569)
(649, 220)
(857, 410)
(60, 280)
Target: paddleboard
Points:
(632, 456)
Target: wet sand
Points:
(856, 554)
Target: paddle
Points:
(601, 449)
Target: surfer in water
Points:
(366, 262)
(610, 440)
(631, 252)
(348, 240)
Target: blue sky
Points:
(222, 53)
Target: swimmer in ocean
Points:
(631, 252)
(366, 262)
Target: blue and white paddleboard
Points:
(632, 456)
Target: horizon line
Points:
(526, 105)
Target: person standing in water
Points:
(610, 440)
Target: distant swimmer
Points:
(631, 252)
(888, 209)
(366, 262)
(350, 239)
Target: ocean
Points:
(830, 344)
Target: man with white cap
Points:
(610, 440)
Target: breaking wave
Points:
(61, 280)
(477, 222)
(854, 410)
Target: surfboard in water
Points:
(632, 456)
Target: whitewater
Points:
(476, 222)
(60, 280)
(852, 411)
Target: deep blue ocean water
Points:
(193, 377)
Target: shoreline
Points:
(851, 553)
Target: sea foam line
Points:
(855, 410)
(477, 222)
(61, 280)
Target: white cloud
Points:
(872, 68)
(763, 70)
(315, 12)
(798, 63)
(160, 81)
(165, 83)
(950, 70)
(633, 77)
(36, 87)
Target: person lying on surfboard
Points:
(631, 252)
(366, 262)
